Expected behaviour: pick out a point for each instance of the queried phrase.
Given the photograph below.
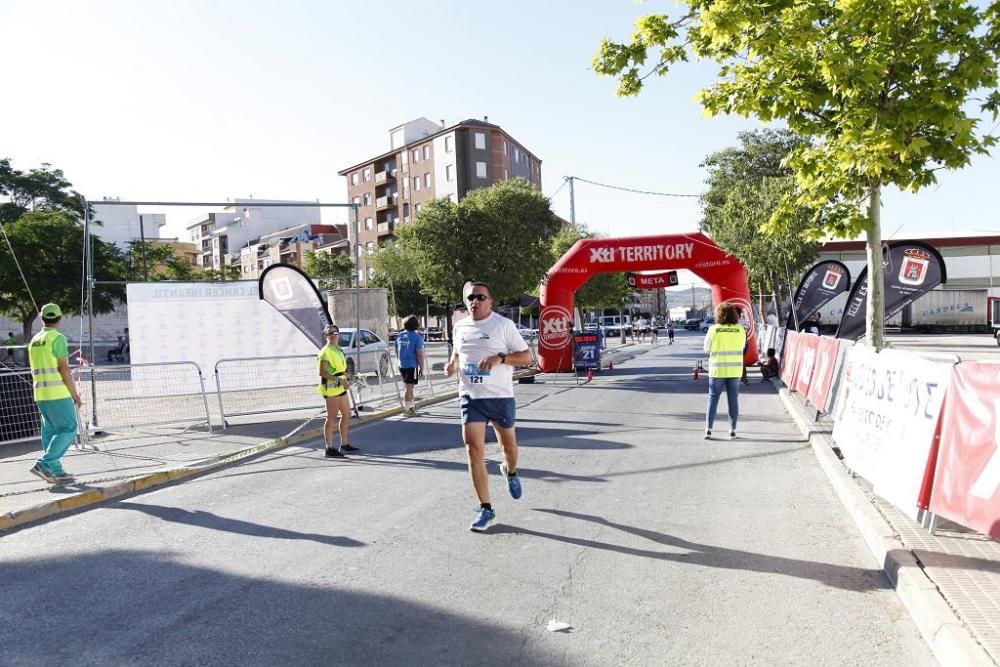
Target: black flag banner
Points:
(911, 269)
(294, 295)
(821, 284)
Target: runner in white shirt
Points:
(487, 347)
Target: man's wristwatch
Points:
(503, 357)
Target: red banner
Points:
(806, 344)
(653, 280)
(967, 479)
(789, 357)
(822, 377)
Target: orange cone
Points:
(611, 365)
(590, 375)
(696, 369)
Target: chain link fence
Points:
(19, 418)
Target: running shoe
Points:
(332, 453)
(349, 448)
(513, 482)
(64, 478)
(708, 434)
(44, 474)
(484, 518)
(732, 434)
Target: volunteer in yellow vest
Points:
(725, 343)
(333, 388)
(55, 394)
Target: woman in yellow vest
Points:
(55, 394)
(725, 343)
(333, 388)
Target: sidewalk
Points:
(949, 581)
(138, 459)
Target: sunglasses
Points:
(477, 297)
(332, 333)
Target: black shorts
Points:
(409, 375)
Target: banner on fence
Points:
(805, 346)
(789, 357)
(967, 478)
(887, 413)
(822, 375)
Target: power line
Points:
(639, 192)
(565, 181)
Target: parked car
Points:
(434, 333)
(612, 325)
(527, 333)
(692, 324)
(374, 352)
(706, 323)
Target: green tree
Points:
(48, 246)
(42, 188)
(881, 89)
(223, 273)
(147, 260)
(602, 289)
(746, 185)
(333, 271)
(394, 271)
(500, 234)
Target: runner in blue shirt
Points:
(410, 349)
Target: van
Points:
(612, 325)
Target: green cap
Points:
(51, 311)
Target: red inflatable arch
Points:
(695, 252)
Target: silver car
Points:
(374, 352)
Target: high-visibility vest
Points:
(48, 383)
(725, 357)
(336, 363)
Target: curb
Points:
(45, 510)
(948, 638)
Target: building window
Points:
(517, 155)
(427, 180)
(449, 173)
(354, 178)
(416, 156)
(368, 199)
(480, 170)
(416, 184)
(355, 201)
(370, 248)
(480, 140)
(367, 175)
(506, 175)
(416, 209)
(447, 144)
(427, 152)
(504, 146)
(406, 188)
(368, 224)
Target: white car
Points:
(374, 352)
(526, 333)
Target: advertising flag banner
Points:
(887, 413)
(652, 280)
(911, 269)
(293, 294)
(821, 284)
(967, 477)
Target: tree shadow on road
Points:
(837, 576)
(118, 607)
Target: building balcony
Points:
(383, 177)
(386, 228)
(385, 202)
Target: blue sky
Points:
(207, 100)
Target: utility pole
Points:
(572, 202)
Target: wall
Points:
(374, 308)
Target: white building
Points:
(123, 223)
(221, 235)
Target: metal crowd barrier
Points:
(261, 385)
(19, 418)
(142, 395)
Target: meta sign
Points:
(653, 280)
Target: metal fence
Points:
(19, 418)
(259, 385)
(123, 397)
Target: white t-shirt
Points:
(476, 340)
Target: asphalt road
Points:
(655, 546)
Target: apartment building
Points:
(425, 161)
(287, 246)
(122, 223)
(222, 235)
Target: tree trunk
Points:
(26, 322)
(875, 306)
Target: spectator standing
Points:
(333, 386)
(725, 344)
(10, 342)
(487, 347)
(55, 394)
(410, 351)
